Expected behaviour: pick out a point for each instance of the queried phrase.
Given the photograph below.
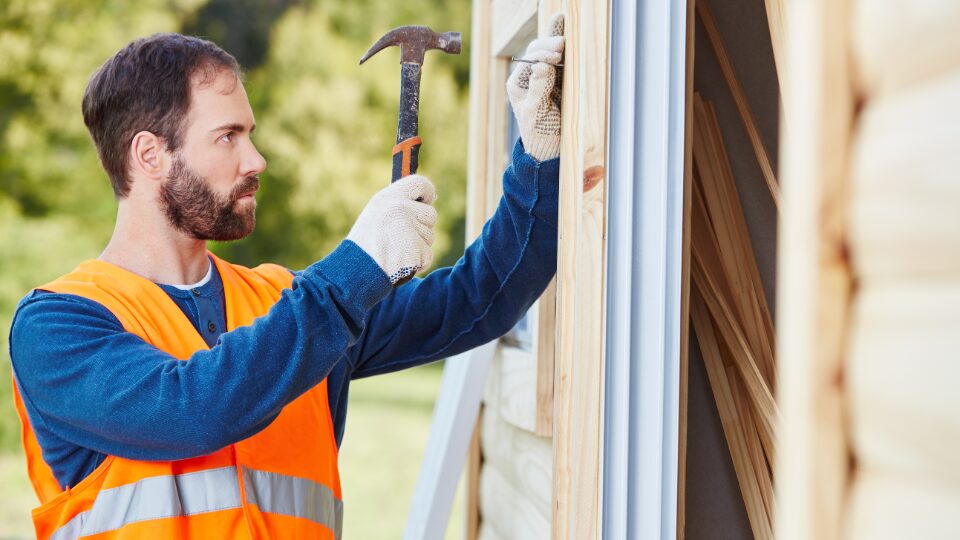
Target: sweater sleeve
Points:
(485, 293)
(94, 385)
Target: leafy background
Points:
(325, 125)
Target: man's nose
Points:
(253, 162)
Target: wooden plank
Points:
(477, 133)
(752, 439)
(497, 153)
(685, 275)
(471, 482)
(814, 283)
(879, 29)
(545, 351)
(760, 395)
(523, 458)
(517, 396)
(581, 273)
(777, 25)
(904, 220)
(506, 510)
(477, 160)
(727, 238)
(729, 418)
(740, 100)
(514, 24)
(888, 506)
(901, 378)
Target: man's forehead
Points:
(218, 100)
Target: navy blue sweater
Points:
(92, 389)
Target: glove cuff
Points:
(543, 148)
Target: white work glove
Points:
(534, 92)
(396, 227)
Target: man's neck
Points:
(147, 245)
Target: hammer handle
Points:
(406, 157)
(407, 151)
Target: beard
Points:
(193, 208)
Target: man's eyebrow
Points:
(239, 128)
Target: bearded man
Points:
(165, 392)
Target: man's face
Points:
(209, 191)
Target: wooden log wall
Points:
(904, 227)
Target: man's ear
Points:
(148, 155)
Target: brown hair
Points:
(146, 87)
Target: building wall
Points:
(516, 477)
(904, 227)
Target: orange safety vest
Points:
(282, 482)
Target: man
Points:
(165, 392)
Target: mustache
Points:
(248, 184)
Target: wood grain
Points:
(477, 161)
(814, 286)
(580, 277)
(513, 25)
(730, 419)
(685, 274)
(740, 100)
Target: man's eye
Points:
(226, 137)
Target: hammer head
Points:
(414, 42)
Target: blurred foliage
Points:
(325, 125)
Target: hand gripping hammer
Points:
(414, 42)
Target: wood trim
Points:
(514, 24)
(479, 119)
(545, 351)
(815, 282)
(476, 215)
(581, 274)
(471, 474)
(685, 274)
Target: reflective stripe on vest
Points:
(198, 492)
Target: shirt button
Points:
(195, 292)
(211, 327)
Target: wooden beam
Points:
(815, 281)
(777, 25)
(479, 128)
(730, 419)
(514, 24)
(545, 351)
(477, 160)
(740, 100)
(685, 275)
(581, 274)
(471, 482)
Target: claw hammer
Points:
(414, 42)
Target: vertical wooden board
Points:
(517, 400)
(815, 279)
(545, 351)
(778, 30)
(471, 519)
(685, 274)
(479, 119)
(523, 458)
(477, 160)
(514, 23)
(511, 515)
(732, 424)
(580, 277)
(497, 154)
